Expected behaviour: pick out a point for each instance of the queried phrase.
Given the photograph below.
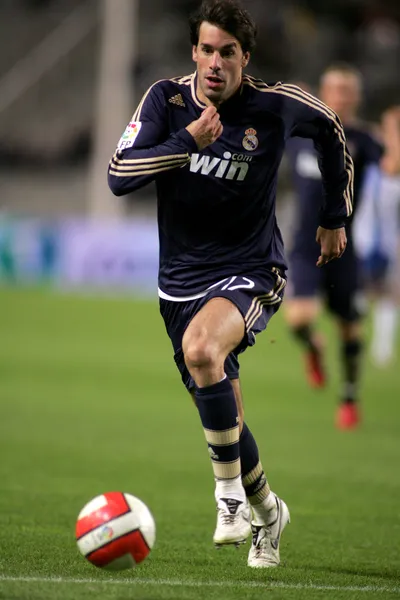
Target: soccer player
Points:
(213, 142)
(337, 282)
(377, 239)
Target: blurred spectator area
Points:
(46, 132)
(59, 103)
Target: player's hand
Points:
(207, 128)
(333, 244)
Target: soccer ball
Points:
(115, 531)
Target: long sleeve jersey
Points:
(216, 207)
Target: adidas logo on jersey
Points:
(178, 100)
(232, 166)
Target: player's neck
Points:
(203, 98)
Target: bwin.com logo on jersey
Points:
(231, 166)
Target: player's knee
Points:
(350, 330)
(200, 354)
(301, 312)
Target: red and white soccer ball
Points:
(115, 531)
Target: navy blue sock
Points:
(304, 334)
(218, 412)
(351, 358)
(253, 477)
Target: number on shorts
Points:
(228, 286)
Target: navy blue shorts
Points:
(257, 296)
(339, 282)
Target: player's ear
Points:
(245, 59)
(194, 53)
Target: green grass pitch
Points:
(90, 401)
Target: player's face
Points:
(220, 61)
(342, 92)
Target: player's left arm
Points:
(306, 116)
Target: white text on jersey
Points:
(231, 166)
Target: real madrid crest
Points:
(250, 140)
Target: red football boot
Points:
(348, 416)
(316, 375)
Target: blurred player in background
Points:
(338, 283)
(213, 141)
(377, 238)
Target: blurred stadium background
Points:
(89, 394)
(72, 72)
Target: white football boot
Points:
(233, 522)
(264, 551)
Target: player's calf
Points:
(270, 514)
(314, 360)
(219, 415)
(348, 412)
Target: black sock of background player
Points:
(351, 353)
(304, 335)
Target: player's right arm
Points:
(147, 148)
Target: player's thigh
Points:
(215, 330)
(257, 296)
(350, 330)
(177, 316)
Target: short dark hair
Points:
(227, 15)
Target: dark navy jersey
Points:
(365, 151)
(216, 207)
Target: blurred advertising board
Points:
(81, 253)
(28, 250)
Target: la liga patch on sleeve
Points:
(129, 136)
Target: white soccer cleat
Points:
(233, 522)
(264, 551)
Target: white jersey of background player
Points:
(377, 238)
